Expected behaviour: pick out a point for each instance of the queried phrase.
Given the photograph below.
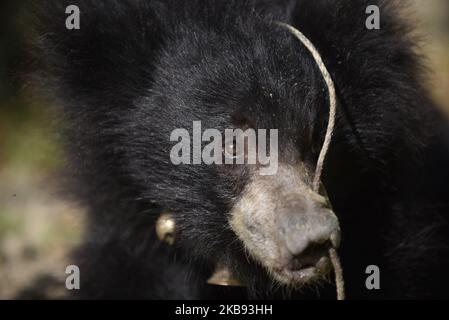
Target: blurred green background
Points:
(38, 226)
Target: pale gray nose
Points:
(308, 235)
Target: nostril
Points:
(308, 238)
(322, 244)
(308, 235)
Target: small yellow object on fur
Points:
(165, 228)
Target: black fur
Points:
(137, 69)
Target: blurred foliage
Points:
(38, 226)
(27, 138)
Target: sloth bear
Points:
(136, 70)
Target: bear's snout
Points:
(304, 239)
(287, 226)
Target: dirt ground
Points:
(38, 228)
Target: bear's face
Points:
(225, 211)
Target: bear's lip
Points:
(303, 275)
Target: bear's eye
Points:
(233, 148)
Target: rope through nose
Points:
(339, 281)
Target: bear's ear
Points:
(115, 45)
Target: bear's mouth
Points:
(298, 272)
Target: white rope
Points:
(339, 281)
(332, 101)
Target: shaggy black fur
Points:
(138, 69)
